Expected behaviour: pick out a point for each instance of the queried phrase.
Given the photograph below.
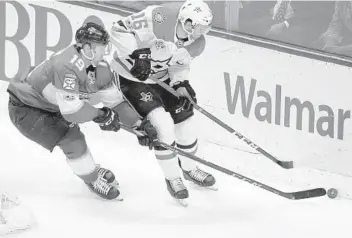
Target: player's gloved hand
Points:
(187, 92)
(109, 120)
(150, 138)
(141, 68)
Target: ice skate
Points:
(200, 178)
(104, 187)
(109, 176)
(177, 190)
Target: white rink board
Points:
(321, 90)
(323, 86)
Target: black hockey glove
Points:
(142, 67)
(109, 121)
(150, 138)
(186, 90)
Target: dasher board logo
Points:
(275, 107)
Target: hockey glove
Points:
(150, 138)
(187, 92)
(109, 121)
(141, 68)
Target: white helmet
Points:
(197, 11)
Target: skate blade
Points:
(12, 230)
(115, 184)
(212, 188)
(182, 202)
(119, 199)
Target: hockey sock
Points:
(186, 163)
(186, 140)
(164, 125)
(168, 162)
(170, 168)
(84, 167)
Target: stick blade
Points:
(311, 193)
(286, 164)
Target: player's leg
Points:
(186, 139)
(14, 215)
(49, 130)
(146, 101)
(101, 181)
(38, 126)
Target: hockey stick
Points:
(283, 164)
(310, 193)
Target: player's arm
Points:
(179, 71)
(110, 95)
(179, 65)
(179, 82)
(78, 111)
(129, 45)
(67, 96)
(132, 32)
(123, 39)
(106, 80)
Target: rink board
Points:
(294, 107)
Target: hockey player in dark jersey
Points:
(47, 105)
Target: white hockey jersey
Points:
(154, 28)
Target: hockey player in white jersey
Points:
(14, 215)
(159, 43)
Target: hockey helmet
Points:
(92, 33)
(196, 11)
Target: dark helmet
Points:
(92, 33)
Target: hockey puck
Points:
(332, 193)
